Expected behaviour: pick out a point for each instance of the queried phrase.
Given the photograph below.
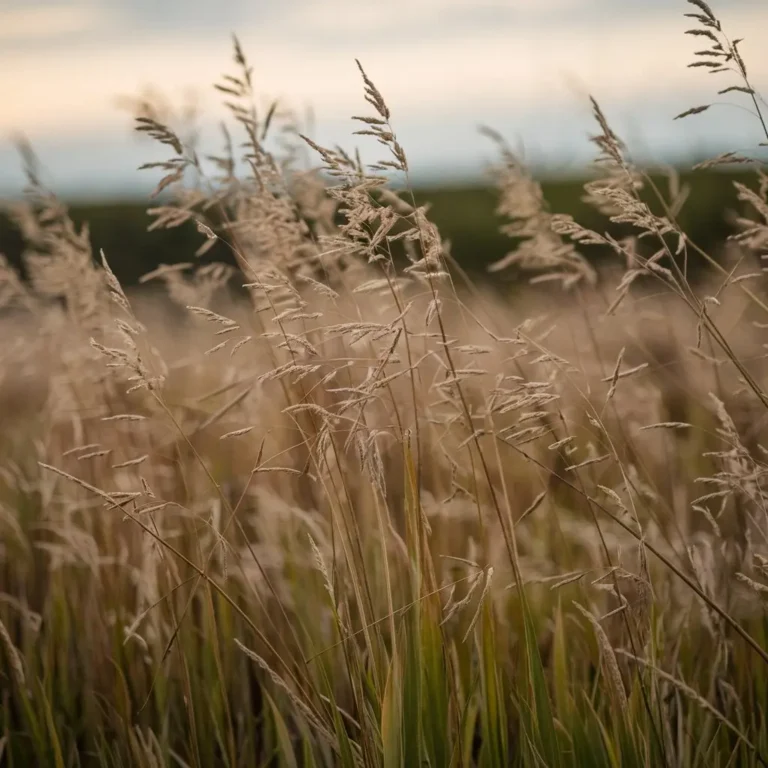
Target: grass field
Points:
(334, 502)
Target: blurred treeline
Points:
(465, 215)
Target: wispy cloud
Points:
(37, 23)
(444, 65)
(404, 20)
(645, 60)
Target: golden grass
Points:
(363, 511)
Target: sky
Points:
(525, 67)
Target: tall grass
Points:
(348, 508)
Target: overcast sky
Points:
(444, 66)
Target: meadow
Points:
(332, 501)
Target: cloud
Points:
(405, 19)
(461, 73)
(530, 81)
(33, 23)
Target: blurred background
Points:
(524, 67)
